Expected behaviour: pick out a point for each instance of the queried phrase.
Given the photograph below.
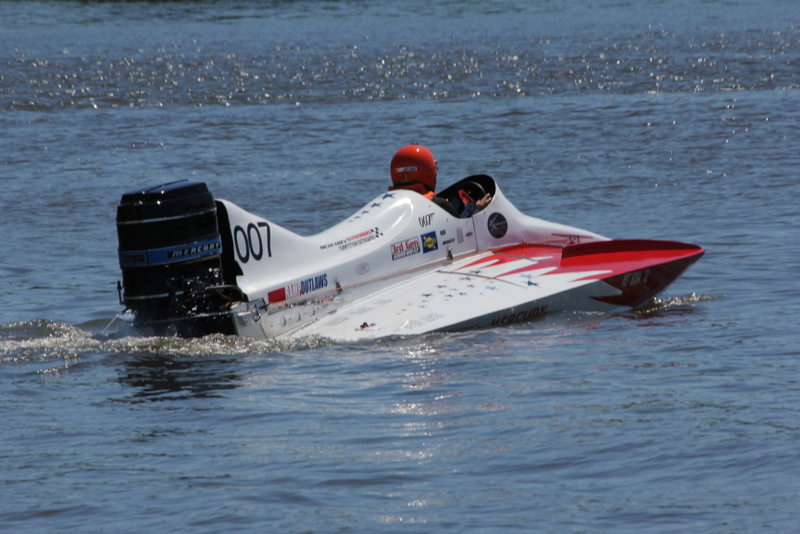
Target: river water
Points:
(666, 120)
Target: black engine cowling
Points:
(170, 253)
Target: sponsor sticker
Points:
(429, 242)
(497, 225)
(354, 240)
(426, 220)
(298, 289)
(520, 316)
(404, 248)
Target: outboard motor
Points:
(170, 252)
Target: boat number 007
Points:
(249, 242)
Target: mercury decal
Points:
(497, 224)
(521, 316)
(163, 256)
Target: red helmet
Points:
(414, 164)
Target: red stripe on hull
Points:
(639, 268)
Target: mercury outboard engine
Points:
(170, 252)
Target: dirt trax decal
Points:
(354, 240)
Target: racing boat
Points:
(192, 265)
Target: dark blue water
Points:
(665, 120)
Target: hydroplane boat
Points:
(193, 265)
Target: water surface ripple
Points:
(665, 120)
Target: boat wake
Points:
(44, 341)
(670, 304)
(667, 306)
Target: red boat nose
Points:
(640, 269)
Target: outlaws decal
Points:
(298, 289)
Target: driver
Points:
(414, 168)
